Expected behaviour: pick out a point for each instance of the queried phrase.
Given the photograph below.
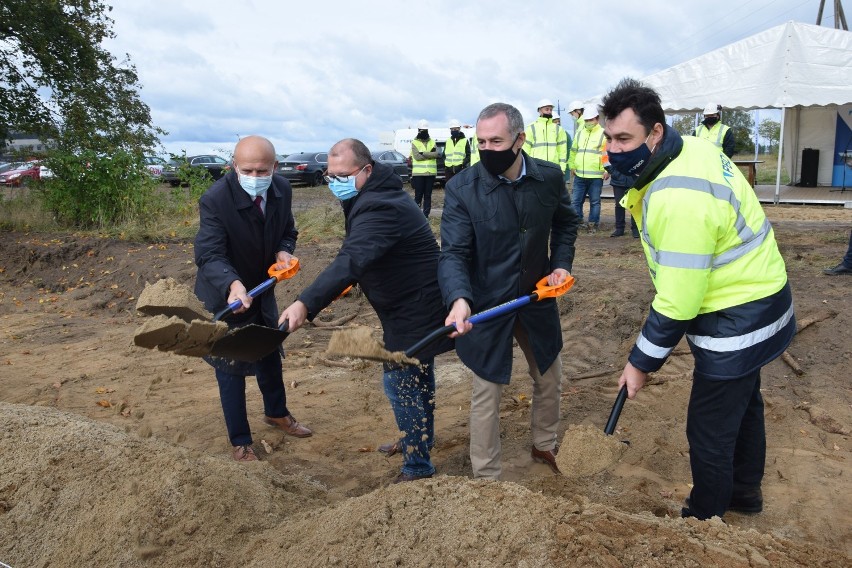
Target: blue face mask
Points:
(254, 186)
(633, 162)
(343, 187)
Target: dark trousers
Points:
(727, 441)
(618, 192)
(232, 392)
(423, 191)
(449, 172)
(847, 260)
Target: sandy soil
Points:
(117, 455)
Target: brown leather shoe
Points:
(546, 456)
(391, 449)
(403, 477)
(290, 425)
(244, 453)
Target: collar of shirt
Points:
(520, 176)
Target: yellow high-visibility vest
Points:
(427, 167)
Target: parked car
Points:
(154, 165)
(304, 167)
(217, 167)
(395, 160)
(5, 167)
(442, 169)
(24, 174)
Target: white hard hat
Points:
(423, 125)
(455, 123)
(590, 111)
(575, 105)
(712, 108)
(544, 103)
(555, 115)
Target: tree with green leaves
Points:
(684, 124)
(57, 81)
(770, 130)
(742, 123)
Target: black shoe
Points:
(617, 233)
(403, 477)
(839, 269)
(748, 502)
(635, 233)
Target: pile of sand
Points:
(77, 493)
(586, 450)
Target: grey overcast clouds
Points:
(306, 74)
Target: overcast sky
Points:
(308, 73)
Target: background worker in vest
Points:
(424, 166)
(713, 130)
(575, 109)
(566, 174)
(586, 163)
(545, 139)
(456, 152)
(719, 279)
(473, 150)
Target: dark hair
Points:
(513, 116)
(360, 152)
(632, 94)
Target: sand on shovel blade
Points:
(359, 342)
(586, 450)
(193, 339)
(169, 298)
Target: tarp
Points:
(792, 66)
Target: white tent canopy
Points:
(794, 65)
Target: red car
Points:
(24, 174)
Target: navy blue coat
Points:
(390, 251)
(236, 242)
(495, 239)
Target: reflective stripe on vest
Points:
(454, 152)
(427, 167)
(652, 350)
(750, 240)
(738, 342)
(707, 134)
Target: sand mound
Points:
(586, 450)
(77, 493)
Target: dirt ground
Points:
(117, 455)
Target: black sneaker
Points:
(617, 233)
(635, 233)
(748, 502)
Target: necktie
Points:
(258, 201)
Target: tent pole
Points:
(780, 156)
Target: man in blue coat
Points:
(247, 225)
(500, 216)
(390, 251)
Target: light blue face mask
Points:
(254, 186)
(343, 187)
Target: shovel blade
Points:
(249, 343)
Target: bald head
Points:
(255, 156)
(352, 151)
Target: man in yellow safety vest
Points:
(713, 130)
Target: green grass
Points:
(765, 173)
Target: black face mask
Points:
(423, 135)
(496, 162)
(455, 134)
(547, 114)
(710, 121)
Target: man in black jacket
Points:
(390, 251)
(499, 218)
(246, 225)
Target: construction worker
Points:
(713, 130)
(456, 151)
(586, 163)
(719, 279)
(424, 166)
(473, 147)
(546, 140)
(575, 109)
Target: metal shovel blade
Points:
(250, 343)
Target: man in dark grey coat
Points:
(499, 218)
(246, 225)
(390, 251)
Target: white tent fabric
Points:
(791, 65)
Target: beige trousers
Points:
(485, 445)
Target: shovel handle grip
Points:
(616, 411)
(274, 276)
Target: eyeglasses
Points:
(344, 179)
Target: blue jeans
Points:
(591, 187)
(232, 392)
(411, 392)
(727, 441)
